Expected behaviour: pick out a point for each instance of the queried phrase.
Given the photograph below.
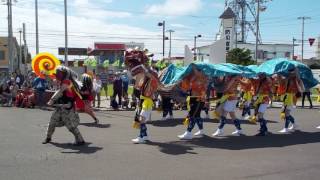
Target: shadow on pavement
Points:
(112, 115)
(85, 149)
(96, 125)
(173, 148)
(167, 123)
(253, 142)
(238, 142)
(179, 121)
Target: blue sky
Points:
(136, 20)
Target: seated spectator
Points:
(40, 86)
(14, 89)
(19, 78)
(5, 95)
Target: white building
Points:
(214, 52)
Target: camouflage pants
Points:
(63, 117)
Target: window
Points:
(2, 55)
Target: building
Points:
(228, 41)
(101, 51)
(112, 51)
(4, 55)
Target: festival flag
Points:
(116, 63)
(105, 63)
(93, 62)
(86, 62)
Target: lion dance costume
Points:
(146, 81)
(293, 85)
(64, 101)
(86, 91)
(196, 84)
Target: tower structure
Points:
(246, 18)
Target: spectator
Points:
(14, 89)
(125, 83)
(3, 77)
(5, 95)
(40, 86)
(55, 85)
(97, 84)
(135, 96)
(19, 78)
(308, 94)
(104, 79)
(28, 82)
(117, 89)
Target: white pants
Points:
(290, 107)
(247, 103)
(263, 108)
(146, 114)
(230, 106)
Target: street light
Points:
(303, 18)
(37, 27)
(170, 31)
(163, 24)
(195, 46)
(65, 33)
(20, 49)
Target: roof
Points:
(227, 14)
(106, 47)
(109, 46)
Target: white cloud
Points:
(83, 30)
(218, 5)
(175, 7)
(181, 26)
(86, 2)
(89, 9)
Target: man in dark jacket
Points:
(117, 89)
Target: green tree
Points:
(240, 56)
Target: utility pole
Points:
(25, 52)
(293, 44)
(163, 24)
(65, 33)
(195, 47)
(10, 36)
(170, 31)
(257, 30)
(20, 49)
(303, 18)
(37, 28)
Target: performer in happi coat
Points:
(293, 85)
(247, 93)
(228, 105)
(263, 92)
(196, 84)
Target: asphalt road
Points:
(109, 153)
